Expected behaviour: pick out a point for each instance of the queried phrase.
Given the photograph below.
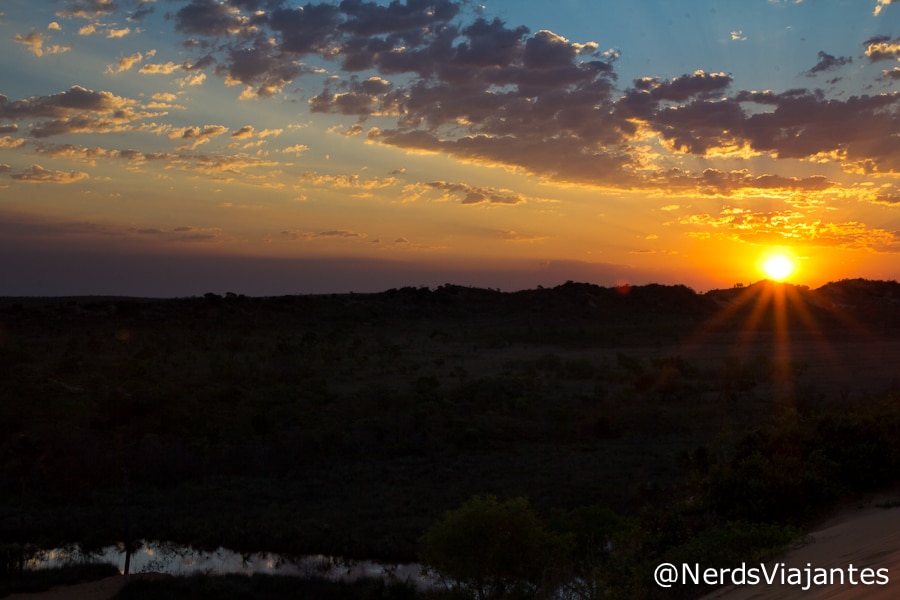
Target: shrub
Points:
(491, 549)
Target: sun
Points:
(778, 267)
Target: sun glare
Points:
(778, 267)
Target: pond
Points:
(175, 559)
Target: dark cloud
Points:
(306, 29)
(211, 18)
(487, 91)
(369, 18)
(143, 11)
(489, 44)
(806, 124)
(828, 62)
(258, 66)
(546, 50)
(355, 97)
(75, 99)
(717, 182)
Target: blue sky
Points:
(174, 147)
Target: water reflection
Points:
(163, 557)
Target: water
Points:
(162, 557)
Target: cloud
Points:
(882, 48)
(10, 143)
(463, 193)
(828, 62)
(35, 42)
(72, 152)
(118, 33)
(881, 4)
(243, 133)
(199, 135)
(144, 10)
(442, 78)
(362, 98)
(160, 69)
(313, 235)
(254, 67)
(725, 183)
(789, 226)
(87, 9)
(77, 110)
(211, 18)
(75, 99)
(124, 63)
(38, 174)
(238, 168)
(345, 181)
(515, 236)
(484, 91)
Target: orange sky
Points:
(264, 146)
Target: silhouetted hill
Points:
(857, 303)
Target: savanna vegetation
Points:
(610, 428)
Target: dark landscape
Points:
(622, 426)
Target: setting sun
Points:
(778, 267)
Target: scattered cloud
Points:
(87, 9)
(125, 63)
(789, 226)
(345, 181)
(118, 33)
(35, 42)
(10, 143)
(515, 236)
(77, 110)
(160, 69)
(195, 136)
(881, 4)
(436, 77)
(314, 235)
(38, 174)
(463, 193)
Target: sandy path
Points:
(103, 589)
(865, 537)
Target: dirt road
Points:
(866, 537)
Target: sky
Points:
(177, 147)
